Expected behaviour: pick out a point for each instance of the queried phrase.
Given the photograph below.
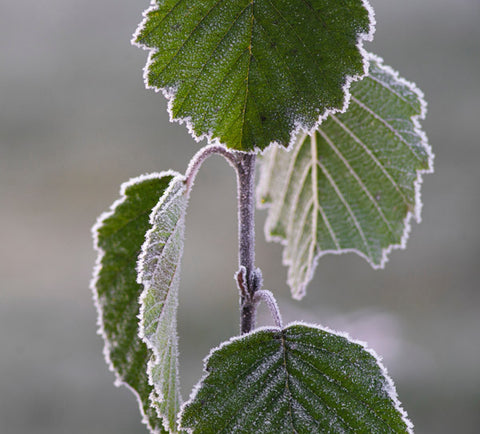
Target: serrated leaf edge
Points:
(157, 394)
(389, 386)
(169, 93)
(96, 275)
(416, 213)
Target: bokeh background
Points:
(75, 122)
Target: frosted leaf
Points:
(300, 379)
(249, 73)
(118, 236)
(159, 272)
(354, 184)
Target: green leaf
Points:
(300, 379)
(119, 235)
(159, 272)
(252, 72)
(354, 184)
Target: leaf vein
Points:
(341, 387)
(247, 78)
(189, 36)
(387, 125)
(296, 198)
(346, 205)
(315, 188)
(237, 18)
(387, 86)
(357, 178)
(372, 156)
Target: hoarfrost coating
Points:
(159, 273)
(263, 374)
(400, 162)
(108, 344)
(298, 123)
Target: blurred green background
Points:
(75, 122)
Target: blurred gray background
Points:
(75, 122)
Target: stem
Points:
(246, 212)
(249, 279)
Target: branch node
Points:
(242, 282)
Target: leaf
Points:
(300, 379)
(248, 72)
(119, 235)
(354, 184)
(159, 272)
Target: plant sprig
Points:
(264, 75)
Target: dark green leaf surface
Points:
(119, 235)
(300, 379)
(354, 184)
(159, 272)
(250, 72)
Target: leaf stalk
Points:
(199, 158)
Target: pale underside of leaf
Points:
(300, 379)
(159, 272)
(119, 235)
(247, 73)
(354, 184)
